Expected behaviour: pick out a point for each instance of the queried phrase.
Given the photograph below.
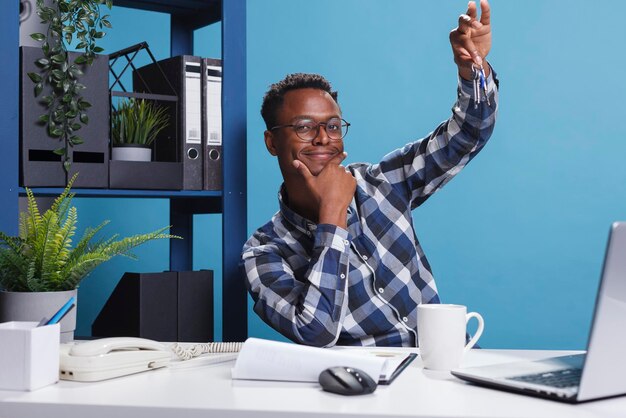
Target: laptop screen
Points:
(604, 371)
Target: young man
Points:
(340, 262)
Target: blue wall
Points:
(520, 234)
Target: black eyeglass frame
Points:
(317, 129)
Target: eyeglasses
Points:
(307, 129)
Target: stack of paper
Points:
(271, 360)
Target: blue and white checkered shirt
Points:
(321, 285)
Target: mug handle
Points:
(479, 331)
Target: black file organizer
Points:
(166, 306)
(154, 175)
(40, 166)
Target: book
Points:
(273, 360)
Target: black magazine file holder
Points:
(166, 175)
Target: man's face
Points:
(307, 103)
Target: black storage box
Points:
(148, 175)
(167, 306)
(195, 306)
(39, 166)
(164, 172)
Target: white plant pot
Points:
(131, 154)
(34, 306)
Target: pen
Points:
(62, 312)
(66, 312)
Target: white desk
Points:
(208, 391)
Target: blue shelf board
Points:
(196, 13)
(162, 194)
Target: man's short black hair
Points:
(275, 96)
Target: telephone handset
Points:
(111, 357)
(108, 345)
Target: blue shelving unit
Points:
(231, 202)
(9, 117)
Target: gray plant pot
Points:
(33, 306)
(131, 153)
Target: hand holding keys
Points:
(480, 85)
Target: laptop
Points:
(601, 371)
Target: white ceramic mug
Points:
(441, 331)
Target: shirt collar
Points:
(301, 223)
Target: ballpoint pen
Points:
(60, 313)
(66, 312)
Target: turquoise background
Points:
(518, 236)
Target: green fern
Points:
(41, 258)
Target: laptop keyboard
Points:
(559, 379)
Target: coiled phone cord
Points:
(187, 353)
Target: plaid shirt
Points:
(321, 285)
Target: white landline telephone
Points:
(107, 358)
(111, 357)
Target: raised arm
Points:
(421, 168)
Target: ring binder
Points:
(212, 138)
(185, 74)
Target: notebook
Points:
(274, 360)
(601, 371)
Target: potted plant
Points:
(135, 125)
(40, 269)
(67, 21)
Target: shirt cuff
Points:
(327, 235)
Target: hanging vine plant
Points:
(66, 109)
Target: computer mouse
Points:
(347, 381)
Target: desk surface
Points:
(208, 391)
